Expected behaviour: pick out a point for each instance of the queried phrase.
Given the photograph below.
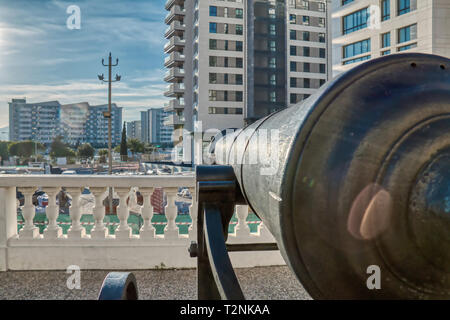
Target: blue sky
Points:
(41, 59)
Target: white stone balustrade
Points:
(97, 249)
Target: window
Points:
(225, 62)
(305, 20)
(226, 28)
(356, 48)
(293, 98)
(385, 10)
(292, 19)
(272, 13)
(212, 11)
(322, 68)
(238, 62)
(322, 82)
(293, 66)
(272, 63)
(273, 96)
(356, 21)
(306, 35)
(410, 46)
(384, 53)
(321, 53)
(356, 60)
(306, 51)
(218, 110)
(407, 33)
(304, 5)
(306, 83)
(322, 22)
(212, 44)
(213, 78)
(293, 50)
(386, 40)
(321, 6)
(321, 37)
(239, 79)
(239, 29)
(272, 45)
(212, 27)
(293, 35)
(272, 30)
(273, 80)
(212, 61)
(344, 2)
(239, 13)
(212, 95)
(306, 67)
(239, 96)
(225, 78)
(404, 6)
(238, 45)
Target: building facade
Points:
(77, 123)
(134, 130)
(39, 122)
(233, 62)
(367, 29)
(156, 128)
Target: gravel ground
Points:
(257, 283)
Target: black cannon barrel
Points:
(354, 182)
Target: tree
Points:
(103, 153)
(59, 149)
(4, 153)
(86, 151)
(123, 144)
(24, 148)
(136, 145)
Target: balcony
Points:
(174, 120)
(170, 3)
(175, 13)
(26, 244)
(174, 75)
(174, 90)
(175, 59)
(173, 105)
(174, 44)
(175, 28)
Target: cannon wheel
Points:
(119, 286)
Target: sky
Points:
(43, 60)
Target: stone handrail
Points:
(29, 249)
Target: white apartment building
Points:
(232, 62)
(134, 130)
(34, 121)
(76, 122)
(367, 29)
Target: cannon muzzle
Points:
(357, 178)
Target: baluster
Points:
(29, 231)
(99, 231)
(124, 230)
(193, 214)
(242, 229)
(171, 230)
(147, 232)
(75, 230)
(52, 211)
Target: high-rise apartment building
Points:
(232, 62)
(155, 127)
(367, 29)
(134, 130)
(77, 122)
(34, 121)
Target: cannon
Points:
(353, 179)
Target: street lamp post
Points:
(108, 116)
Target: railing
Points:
(52, 249)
